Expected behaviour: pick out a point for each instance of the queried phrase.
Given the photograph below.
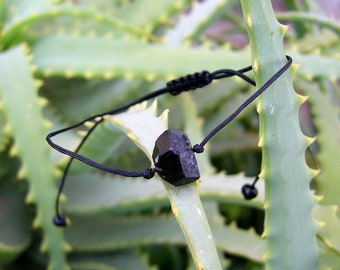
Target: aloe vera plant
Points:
(288, 201)
(62, 61)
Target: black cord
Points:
(174, 87)
(199, 148)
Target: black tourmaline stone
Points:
(174, 159)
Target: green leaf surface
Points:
(19, 96)
(127, 259)
(90, 193)
(117, 232)
(154, 13)
(93, 97)
(118, 57)
(25, 14)
(326, 119)
(14, 221)
(102, 143)
(110, 58)
(308, 17)
(329, 259)
(289, 226)
(329, 230)
(185, 202)
(328, 235)
(313, 65)
(141, 126)
(320, 42)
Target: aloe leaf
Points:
(328, 235)
(14, 220)
(118, 232)
(187, 208)
(90, 193)
(212, 209)
(300, 27)
(329, 231)
(216, 95)
(326, 119)
(130, 11)
(225, 95)
(234, 131)
(329, 258)
(244, 243)
(314, 65)
(122, 259)
(154, 13)
(26, 13)
(307, 17)
(23, 108)
(321, 42)
(102, 143)
(141, 126)
(92, 97)
(185, 202)
(289, 227)
(123, 58)
(226, 188)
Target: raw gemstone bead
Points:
(174, 158)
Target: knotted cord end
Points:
(59, 220)
(197, 148)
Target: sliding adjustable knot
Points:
(189, 82)
(149, 173)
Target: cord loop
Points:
(174, 87)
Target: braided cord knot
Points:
(189, 82)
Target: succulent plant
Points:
(62, 61)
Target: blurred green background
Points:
(62, 61)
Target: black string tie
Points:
(189, 170)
